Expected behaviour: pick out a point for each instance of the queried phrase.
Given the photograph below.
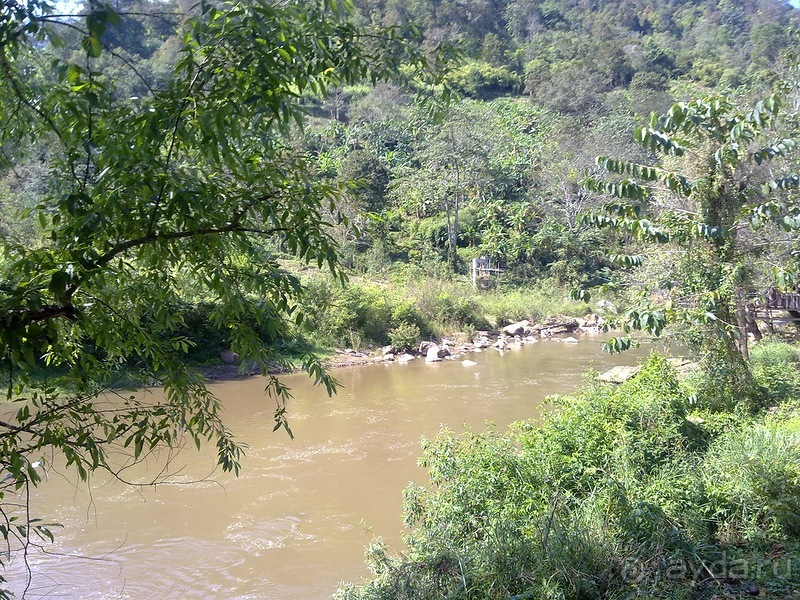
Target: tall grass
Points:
(752, 476)
(774, 364)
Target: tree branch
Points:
(8, 73)
(233, 227)
(168, 160)
(25, 316)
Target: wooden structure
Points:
(777, 300)
(780, 301)
(481, 271)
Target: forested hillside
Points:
(545, 88)
(272, 180)
(595, 47)
(539, 90)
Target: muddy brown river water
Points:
(297, 520)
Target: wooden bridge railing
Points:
(783, 300)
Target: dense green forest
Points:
(537, 91)
(279, 179)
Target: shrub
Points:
(774, 366)
(454, 309)
(641, 424)
(546, 300)
(404, 336)
(365, 312)
(485, 495)
(481, 80)
(753, 481)
(405, 311)
(615, 495)
(198, 326)
(726, 383)
(445, 307)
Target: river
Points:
(297, 520)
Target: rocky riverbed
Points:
(514, 335)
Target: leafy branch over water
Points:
(194, 184)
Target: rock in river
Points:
(618, 374)
(432, 354)
(228, 357)
(520, 328)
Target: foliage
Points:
(497, 510)
(154, 177)
(480, 181)
(701, 211)
(511, 167)
(752, 477)
(615, 494)
(483, 81)
(404, 336)
(573, 55)
(191, 188)
(775, 367)
(369, 311)
(374, 313)
(640, 425)
(535, 303)
(368, 177)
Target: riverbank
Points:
(638, 490)
(514, 335)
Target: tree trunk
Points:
(752, 323)
(454, 236)
(728, 381)
(449, 217)
(741, 326)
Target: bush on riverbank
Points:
(620, 492)
(368, 313)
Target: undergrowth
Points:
(372, 313)
(622, 492)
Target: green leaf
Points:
(617, 345)
(657, 141)
(625, 189)
(626, 260)
(580, 295)
(784, 183)
(93, 46)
